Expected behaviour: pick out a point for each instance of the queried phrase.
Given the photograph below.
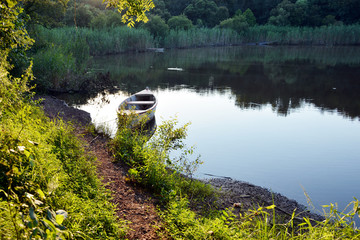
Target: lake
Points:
(285, 118)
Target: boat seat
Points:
(141, 102)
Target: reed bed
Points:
(100, 41)
(117, 40)
(287, 35)
(202, 37)
(325, 35)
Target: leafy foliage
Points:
(180, 23)
(49, 188)
(134, 11)
(12, 31)
(157, 27)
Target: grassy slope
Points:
(44, 169)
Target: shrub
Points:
(180, 22)
(237, 23)
(53, 68)
(84, 15)
(157, 27)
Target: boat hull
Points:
(141, 104)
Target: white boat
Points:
(142, 104)
(175, 69)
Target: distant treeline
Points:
(312, 21)
(202, 13)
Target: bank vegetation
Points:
(49, 188)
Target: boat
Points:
(175, 69)
(142, 104)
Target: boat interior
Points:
(140, 102)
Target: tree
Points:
(238, 23)
(222, 14)
(281, 14)
(132, 10)
(180, 23)
(300, 14)
(250, 18)
(157, 27)
(206, 10)
(161, 10)
(48, 13)
(84, 15)
(328, 20)
(176, 7)
(12, 29)
(346, 10)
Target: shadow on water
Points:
(285, 77)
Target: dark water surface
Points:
(285, 118)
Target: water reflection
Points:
(236, 99)
(285, 77)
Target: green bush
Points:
(53, 68)
(157, 27)
(84, 15)
(180, 23)
(238, 23)
(106, 19)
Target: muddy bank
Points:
(243, 196)
(56, 108)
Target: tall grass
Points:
(62, 55)
(117, 40)
(100, 41)
(325, 35)
(201, 38)
(48, 184)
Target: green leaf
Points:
(49, 224)
(41, 193)
(59, 219)
(11, 3)
(271, 207)
(27, 153)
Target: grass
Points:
(61, 55)
(171, 180)
(98, 41)
(48, 184)
(286, 35)
(202, 37)
(324, 36)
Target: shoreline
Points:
(234, 194)
(244, 195)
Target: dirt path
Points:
(133, 204)
(137, 206)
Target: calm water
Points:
(285, 118)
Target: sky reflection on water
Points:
(309, 148)
(282, 118)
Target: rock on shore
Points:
(243, 196)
